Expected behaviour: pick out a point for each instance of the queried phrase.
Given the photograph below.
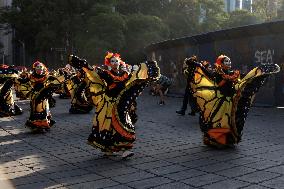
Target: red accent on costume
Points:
(111, 55)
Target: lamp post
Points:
(60, 50)
(3, 57)
(24, 52)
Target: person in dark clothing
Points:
(188, 98)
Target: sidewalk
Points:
(168, 152)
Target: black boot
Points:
(162, 102)
(192, 113)
(18, 110)
(180, 112)
(52, 122)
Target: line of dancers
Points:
(221, 97)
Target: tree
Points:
(266, 9)
(141, 31)
(214, 15)
(146, 7)
(181, 16)
(45, 24)
(90, 28)
(240, 18)
(104, 32)
(280, 11)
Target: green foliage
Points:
(214, 15)
(266, 9)
(90, 28)
(45, 39)
(147, 7)
(42, 24)
(182, 17)
(104, 32)
(240, 18)
(280, 12)
(141, 31)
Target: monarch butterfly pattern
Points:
(114, 97)
(42, 89)
(222, 116)
(79, 103)
(8, 107)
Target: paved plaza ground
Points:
(169, 152)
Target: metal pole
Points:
(24, 52)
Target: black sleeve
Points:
(104, 75)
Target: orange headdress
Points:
(222, 61)
(205, 63)
(4, 66)
(39, 68)
(111, 55)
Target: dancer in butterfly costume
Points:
(42, 86)
(21, 83)
(8, 77)
(114, 93)
(223, 98)
(77, 87)
(67, 72)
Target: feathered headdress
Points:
(219, 61)
(41, 66)
(205, 63)
(4, 66)
(111, 55)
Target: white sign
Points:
(264, 56)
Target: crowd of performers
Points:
(220, 96)
(111, 89)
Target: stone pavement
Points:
(168, 153)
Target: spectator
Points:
(161, 88)
(187, 97)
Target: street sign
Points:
(58, 49)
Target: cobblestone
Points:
(168, 152)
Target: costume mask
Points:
(114, 63)
(227, 62)
(39, 69)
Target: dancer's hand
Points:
(269, 68)
(78, 63)
(153, 70)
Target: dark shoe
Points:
(191, 113)
(180, 112)
(18, 110)
(127, 154)
(162, 103)
(52, 122)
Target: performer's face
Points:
(39, 69)
(79, 74)
(227, 62)
(114, 61)
(209, 67)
